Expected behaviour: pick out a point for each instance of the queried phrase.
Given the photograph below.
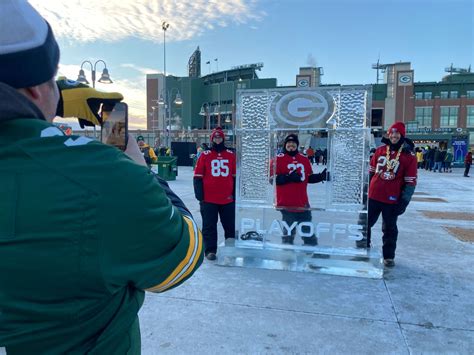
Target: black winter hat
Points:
(29, 53)
(291, 138)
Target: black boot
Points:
(311, 241)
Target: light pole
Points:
(205, 111)
(164, 25)
(154, 119)
(104, 78)
(166, 101)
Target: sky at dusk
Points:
(343, 36)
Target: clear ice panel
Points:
(338, 207)
(347, 161)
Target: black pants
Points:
(210, 212)
(389, 226)
(466, 170)
(291, 217)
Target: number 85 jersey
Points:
(217, 170)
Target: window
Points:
(444, 94)
(470, 116)
(418, 95)
(427, 95)
(470, 94)
(449, 116)
(423, 116)
(453, 94)
(411, 126)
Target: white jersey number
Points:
(220, 167)
(293, 167)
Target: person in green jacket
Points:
(448, 159)
(76, 254)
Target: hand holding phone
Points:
(133, 151)
(115, 126)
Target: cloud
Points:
(141, 70)
(114, 20)
(132, 90)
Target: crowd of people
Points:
(440, 159)
(317, 156)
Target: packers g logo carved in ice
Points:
(303, 108)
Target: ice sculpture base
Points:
(357, 262)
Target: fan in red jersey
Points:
(214, 187)
(293, 172)
(393, 173)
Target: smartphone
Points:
(115, 126)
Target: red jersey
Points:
(291, 194)
(386, 186)
(217, 170)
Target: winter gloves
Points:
(315, 178)
(295, 176)
(81, 101)
(282, 179)
(405, 198)
(199, 188)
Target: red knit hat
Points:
(217, 132)
(399, 127)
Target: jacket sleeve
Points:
(198, 188)
(373, 163)
(411, 171)
(149, 239)
(315, 178)
(153, 156)
(199, 172)
(174, 199)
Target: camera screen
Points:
(114, 128)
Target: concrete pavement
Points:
(424, 305)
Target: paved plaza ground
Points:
(424, 305)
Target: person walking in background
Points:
(392, 174)
(448, 159)
(310, 154)
(318, 156)
(147, 151)
(438, 160)
(214, 188)
(467, 163)
(426, 158)
(442, 156)
(419, 157)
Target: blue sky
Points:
(344, 37)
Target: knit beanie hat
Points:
(399, 127)
(29, 54)
(291, 138)
(217, 132)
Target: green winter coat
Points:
(449, 157)
(84, 231)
